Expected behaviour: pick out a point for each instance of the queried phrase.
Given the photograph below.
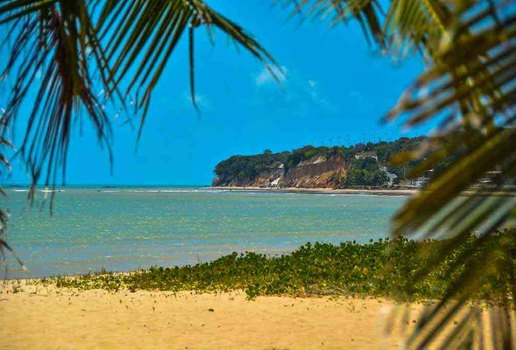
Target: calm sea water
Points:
(127, 228)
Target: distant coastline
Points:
(375, 191)
(380, 191)
(385, 191)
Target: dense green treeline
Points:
(366, 163)
(248, 167)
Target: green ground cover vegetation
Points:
(382, 268)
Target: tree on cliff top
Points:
(469, 47)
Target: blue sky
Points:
(336, 89)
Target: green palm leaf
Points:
(79, 50)
(475, 90)
(366, 12)
(469, 86)
(69, 51)
(147, 33)
(56, 40)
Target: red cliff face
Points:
(316, 172)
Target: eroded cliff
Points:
(320, 171)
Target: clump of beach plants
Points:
(382, 268)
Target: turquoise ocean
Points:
(121, 229)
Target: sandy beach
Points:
(41, 317)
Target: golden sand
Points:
(40, 317)
(35, 316)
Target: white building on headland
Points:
(364, 155)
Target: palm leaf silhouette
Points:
(76, 56)
(469, 87)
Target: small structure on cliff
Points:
(365, 155)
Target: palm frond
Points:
(55, 44)
(471, 82)
(456, 320)
(5, 168)
(79, 52)
(416, 24)
(469, 89)
(368, 13)
(78, 55)
(147, 33)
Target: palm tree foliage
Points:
(468, 87)
(80, 55)
(77, 56)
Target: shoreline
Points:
(385, 192)
(407, 192)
